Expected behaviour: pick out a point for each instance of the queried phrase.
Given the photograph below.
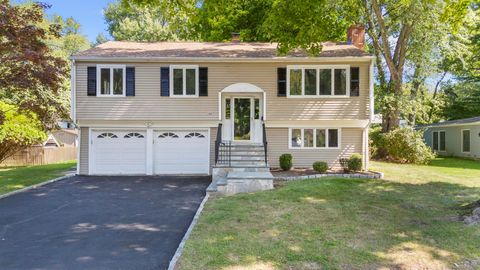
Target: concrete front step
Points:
(259, 158)
(242, 165)
(249, 176)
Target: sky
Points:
(87, 12)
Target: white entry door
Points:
(118, 152)
(242, 119)
(181, 152)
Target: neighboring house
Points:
(176, 107)
(459, 138)
(66, 137)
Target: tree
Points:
(19, 129)
(215, 20)
(162, 21)
(101, 38)
(30, 74)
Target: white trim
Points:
(242, 88)
(339, 134)
(317, 86)
(371, 91)
(79, 146)
(350, 123)
(90, 153)
(469, 142)
(452, 125)
(99, 80)
(184, 82)
(225, 59)
(163, 125)
(73, 94)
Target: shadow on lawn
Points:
(346, 224)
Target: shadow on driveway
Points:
(121, 222)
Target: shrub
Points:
(320, 166)
(285, 162)
(406, 145)
(377, 143)
(354, 163)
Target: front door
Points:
(242, 119)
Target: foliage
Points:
(101, 38)
(217, 19)
(164, 20)
(406, 145)
(320, 166)
(305, 24)
(35, 83)
(19, 130)
(14, 178)
(285, 161)
(462, 100)
(354, 163)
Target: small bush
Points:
(320, 166)
(285, 162)
(406, 145)
(355, 163)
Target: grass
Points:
(14, 178)
(409, 221)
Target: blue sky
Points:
(87, 12)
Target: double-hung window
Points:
(465, 140)
(314, 138)
(112, 80)
(438, 141)
(184, 81)
(318, 81)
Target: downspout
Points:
(372, 112)
(73, 113)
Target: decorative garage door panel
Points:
(181, 152)
(119, 152)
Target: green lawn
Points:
(409, 221)
(19, 177)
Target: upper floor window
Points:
(318, 81)
(112, 80)
(184, 81)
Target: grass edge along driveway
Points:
(14, 178)
(408, 221)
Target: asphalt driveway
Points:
(120, 222)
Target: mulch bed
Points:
(294, 172)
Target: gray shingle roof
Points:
(454, 122)
(208, 50)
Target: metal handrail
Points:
(218, 141)
(265, 143)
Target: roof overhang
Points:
(450, 125)
(224, 59)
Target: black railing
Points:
(218, 141)
(265, 142)
(223, 149)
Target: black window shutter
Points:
(130, 77)
(282, 82)
(203, 81)
(165, 81)
(91, 81)
(354, 81)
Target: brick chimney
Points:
(235, 37)
(356, 36)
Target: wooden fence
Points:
(39, 155)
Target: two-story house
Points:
(176, 107)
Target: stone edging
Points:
(36, 185)
(178, 253)
(372, 175)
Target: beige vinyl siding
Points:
(147, 104)
(213, 137)
(351, 142)
(84, 141)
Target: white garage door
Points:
(181, 152)
(118, 152)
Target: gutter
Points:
(73, 94)
(449, 125)
(223, 59)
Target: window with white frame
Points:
(111, 80)
(314, 137)
(438, 141)
(318, 81)
(465, 140)
(184, 81)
